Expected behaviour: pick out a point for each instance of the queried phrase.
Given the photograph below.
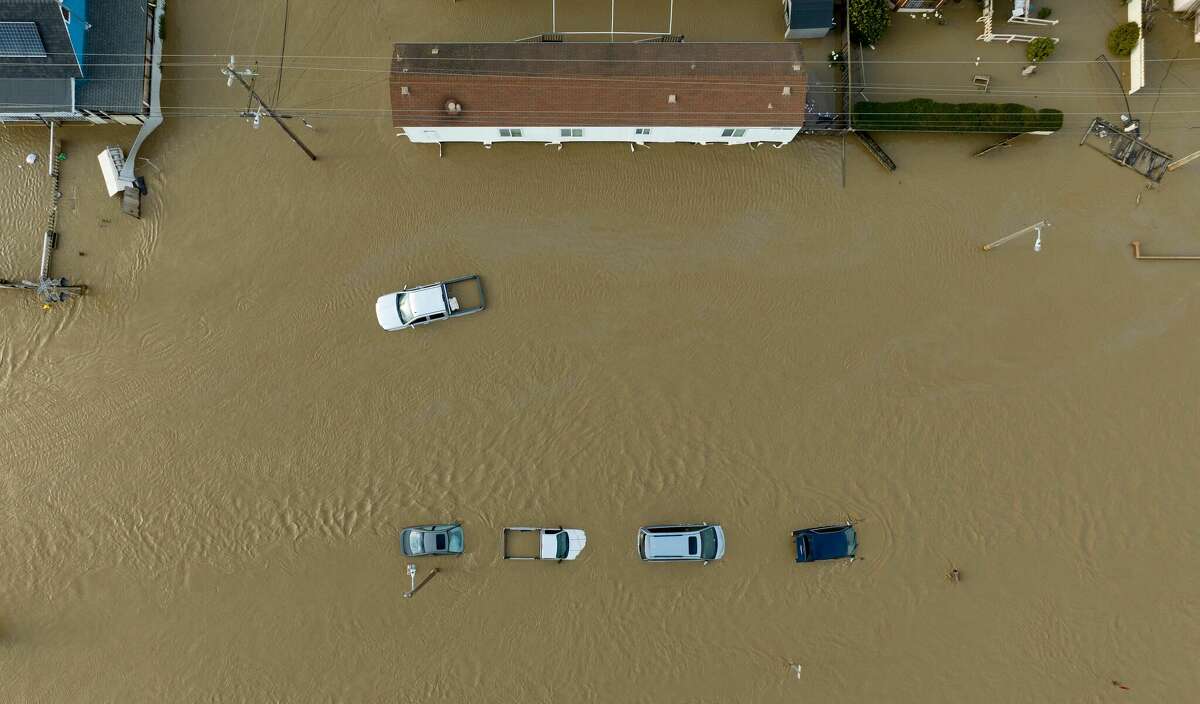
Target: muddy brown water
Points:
(207, 461)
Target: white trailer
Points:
(521, 543)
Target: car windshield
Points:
(564, 545)
(414, 542)
(708, 543)
(404, 308)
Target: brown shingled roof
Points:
(520, 84)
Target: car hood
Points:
(387, 312)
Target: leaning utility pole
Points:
(233, 74)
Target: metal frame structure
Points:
(989, 34)
(612, 25)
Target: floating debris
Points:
(1127, 148)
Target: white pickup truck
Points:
(410, 307)
(543, 543)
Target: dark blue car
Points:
(825, 543)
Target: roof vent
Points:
(787, 90)
(433, 51)
(671, 99)
(403, 90)
(795, 67)
(453, 107)
(770, 106)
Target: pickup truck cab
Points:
(421, 305)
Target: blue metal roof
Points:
(811, 14)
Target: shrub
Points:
(869, 19)
(924, 115)
(1044, 13)
(1124, 38)
(1040, 49)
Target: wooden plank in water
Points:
(876, 150)
(1006, 142)
(131, 202)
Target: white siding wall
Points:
(553, 135)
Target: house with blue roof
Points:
(76, 60)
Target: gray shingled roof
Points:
(35, 95)
(60, 61)
(114, 56)
(38, 84)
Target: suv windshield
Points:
(404, 308)
(708, 543)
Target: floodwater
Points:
(207, 460)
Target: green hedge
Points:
(924, 115)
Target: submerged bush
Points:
(1124, 38)
(1040, 49)
(869, 19)
(924, 115)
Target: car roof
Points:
(671, 545)
(423, 301)
(827, 544)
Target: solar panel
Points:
(21, 39)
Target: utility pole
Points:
(1037, 243)
(233, 74)
(412, 573)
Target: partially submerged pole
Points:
(414, 590)
(232, 74)
(49, 240)
(1137, 254)
(1037, 246)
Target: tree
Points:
(1040, 49)
(869, 19)
(1124, 38)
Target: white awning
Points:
(1137, 60)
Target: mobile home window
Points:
(732, 132)
(572, 132)
(642, 130)
(510, 132)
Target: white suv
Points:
(700, 542)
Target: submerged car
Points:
(440, 539)
(825, 543)
(421, 305)
(700, 542)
